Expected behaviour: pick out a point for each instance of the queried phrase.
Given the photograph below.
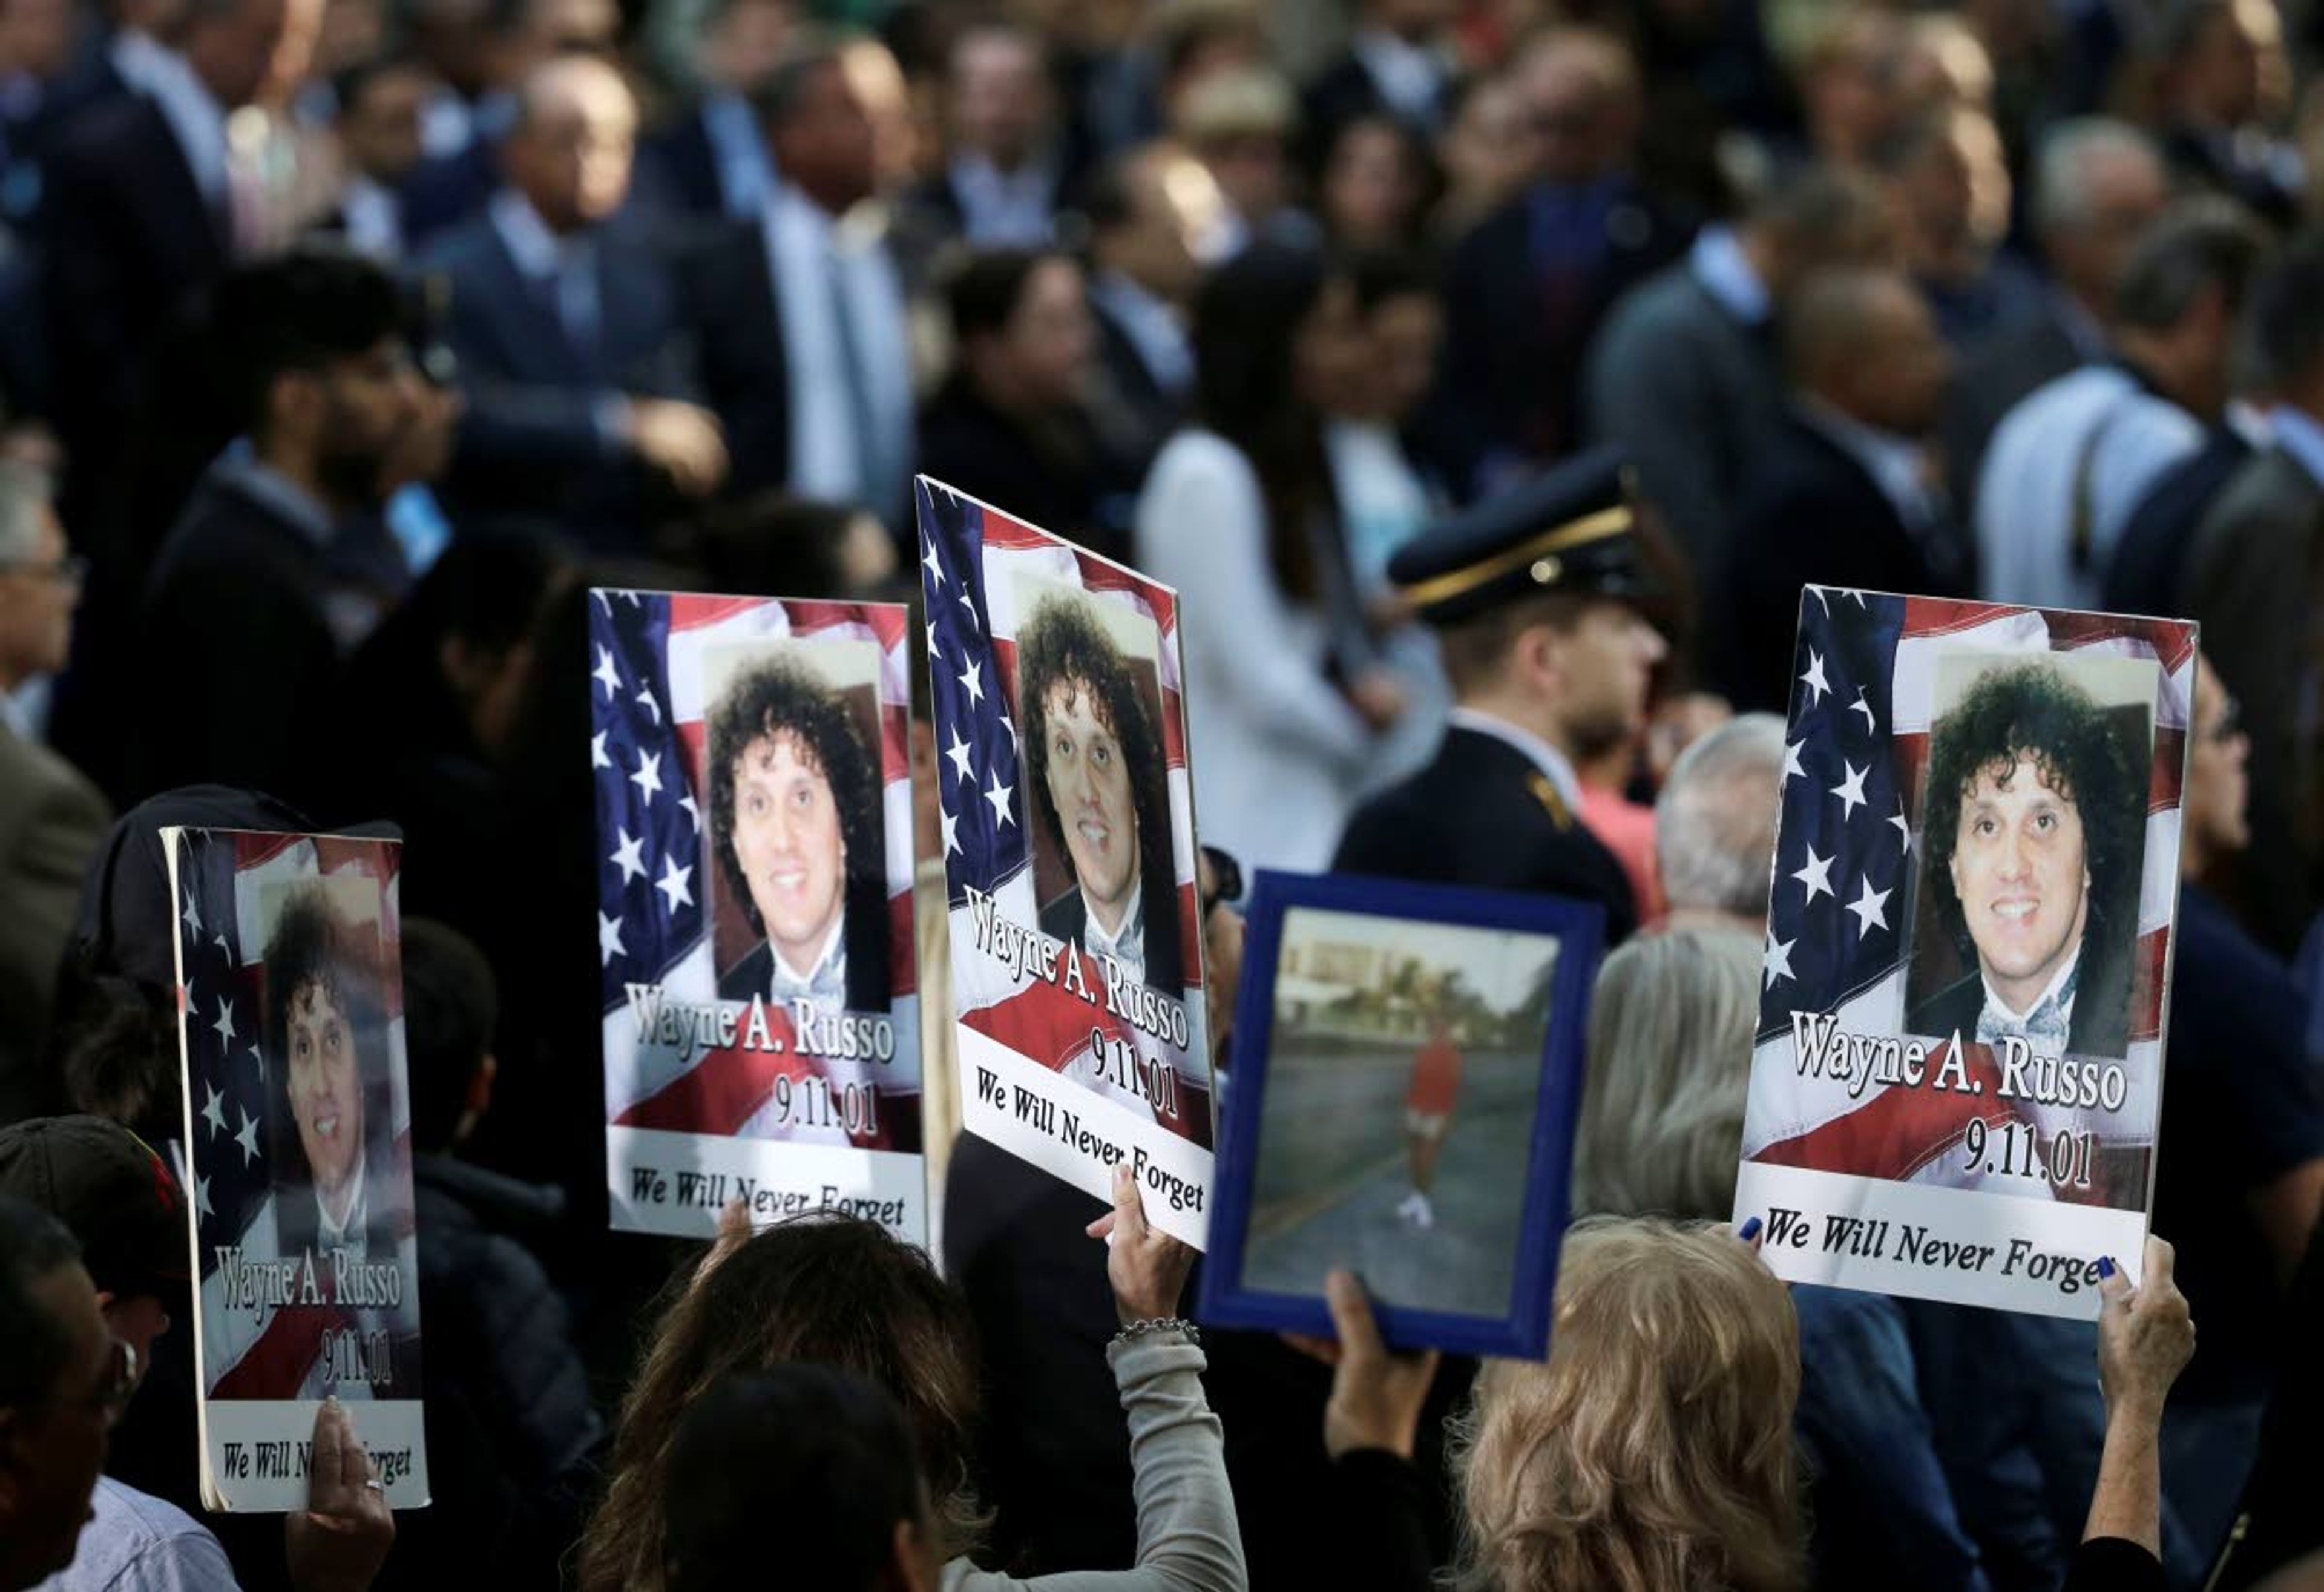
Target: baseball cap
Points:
(117, 1197)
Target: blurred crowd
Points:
(345, 345)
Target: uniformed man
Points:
(1534, 596)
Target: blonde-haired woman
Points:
(1653, 1451)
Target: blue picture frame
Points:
(1579, 930)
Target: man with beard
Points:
(1094, 761)
(241, 650)
(1534, 596)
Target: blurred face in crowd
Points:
(238, 52)
(879, 87)
(2121, 192)
(1088, 777)
(1405, 330)
(1174, 205)
(1040, 358)
(1604, 665)
(2219, 788)
(747, 41)
(1372, 186)
(1490, 148)
(1249, 170)
(326, 1092)
(53, 1448)
(2018, 869)
(379, 130)
(1853, 85)
(828, 145)
(37, 37)
(37, 596)
(1580, 96)
(1416, 20)
(352, 417)
(584, 27)
(571, 152)
(1332, 355)
(787, 839)
(1885, 365)
(2235, 71)
(1955, 193)
(1945, 64)
(999, 96)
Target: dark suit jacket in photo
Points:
(530, 443)
(2101, 1026)
(754, 974)
(1065, 916)
(2255, 580)
(1815, 517)
(1482, 814)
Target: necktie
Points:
(2043, 1029)
(825, 989)
(875, 471)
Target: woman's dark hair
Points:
(1063, 642)
(985, 291)
(451, 1006)
(833, 1290)
(1247, 317)
(115, 1045)
(812, 1457)
(773, 542)
(781, 695)
(2031, 711)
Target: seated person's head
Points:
(2034, 815)
(807, 1456)
(1715, 823)
(1653, 1449)
(774, 541)
(830, 1290)
(451, 1006)
(61, 1381)
(1670, 1067)
(1021, 323)
(115, 1045)
(791, 793)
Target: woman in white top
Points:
(1284, 701)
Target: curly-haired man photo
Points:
(1099, 790)
(2035, 831)
(794, 821)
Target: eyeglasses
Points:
(1226, 877)
(69, 570)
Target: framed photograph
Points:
(299, 1139)
(1407, 1073)
(751, 763)
(1069, 856)
(1959, 1058)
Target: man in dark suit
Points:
(710, 161)
(1399, 62)
(2035, 831)
(239, 610)
(578, 377)
(1684, 377)
(379, 104)
(1146, 216)
(1010, 160)
(1846, 495)
(1533, 598)
(1526, 289)
(801, 325)
(794, 817)
(2148, 571)
(50, 818)
(1094, 764)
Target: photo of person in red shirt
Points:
(1427, 1113)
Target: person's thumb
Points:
(2112, 1286)
(1351, 1315)
(1128, 1212)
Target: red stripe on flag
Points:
(251, 847)
(903, 945)
(688, 612)
(2146, 984)
(277, 1364)
(2169, 767)
(1926, 616)
(719, 1092)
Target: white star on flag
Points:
(597, 758)
(202, 1197)
(213, 1108)
(627, 856)
(692, 811)
(609, 941)
(1850, 790)
(224, 1026)
(1813, 679)
(1903, 829)
(648, 779)
(1871, 726)
(248, 1138)
(605, 674)
(673, 883)
(1779, 960)
(1869, 909)
(645, 700)
(193, 917)
(999, 795)
(935, 568)
(1816, 875)
(959, 754)
(1792, 761)
(951, 833)
(972, 682)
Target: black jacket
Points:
(2101, 1026)
(1067, 915)
(867, 973)
(1055, 473)
(729, 291)
(1816, 517)
(1482, 814)
(2147, 573)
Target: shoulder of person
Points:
(134, 1541)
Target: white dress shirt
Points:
(344, 1231)
(374, 221)
(1005, 209)
(1126, 945)
(2087, 447)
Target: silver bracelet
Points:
(1135, 1330)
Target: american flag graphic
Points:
(229, 885)
(978, 566)
(656, 660)
(1845, 875)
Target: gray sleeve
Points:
(186, 1561)
(1645, 391)
(1187, 1538)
